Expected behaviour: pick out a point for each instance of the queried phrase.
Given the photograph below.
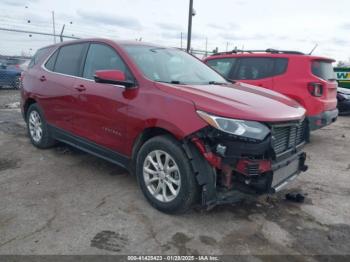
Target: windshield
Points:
(172, 66)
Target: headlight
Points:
(249, 129)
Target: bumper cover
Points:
(323, 119)
(283, 171)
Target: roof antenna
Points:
(313, 49)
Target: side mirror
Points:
(115, 77)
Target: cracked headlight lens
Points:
(243, 128)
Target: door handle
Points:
(80, 88)
(42, 78)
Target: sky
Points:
(226, 24)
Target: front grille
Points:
(253, 169)
(288, 136)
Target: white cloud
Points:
(255, 24)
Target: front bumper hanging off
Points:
(248, 178)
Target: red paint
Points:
(114, 117)
(114, 75)
(227, 172)
(242, 165)
(213, 159)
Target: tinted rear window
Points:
(254, 68)
(223, 66)
(280, 66)
(323, 69)
(50, 64)
(69, 59)
(40, 54)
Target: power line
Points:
(72, 29)
(36, 33)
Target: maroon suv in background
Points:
(188, 134)
(307, 79)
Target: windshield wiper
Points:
(217, 83)
(154, 50)
(174, 82)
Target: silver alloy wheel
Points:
(35, 126)
(161, 175)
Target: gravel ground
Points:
(63, 201)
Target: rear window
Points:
(249, 68)
(223, 66)
(254, 68)
(69, 59)
(50, 64)
(323, 69)
(40, 54)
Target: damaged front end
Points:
(228, 167)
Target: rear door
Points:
(256, 71)
(59, 96)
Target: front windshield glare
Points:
(172, 66)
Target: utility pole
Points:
(181, 40)
(206, 46)
(189, 30)
(61, 35)
(54, 27)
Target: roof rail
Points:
(269, 50)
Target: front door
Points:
(102, 115)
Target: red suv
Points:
(188, 134)
(309, 80)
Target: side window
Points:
(252, 68)
(50, 64)
(103, 57)
(40, 54)
(223, 66)
(280, 67)
(69, 59)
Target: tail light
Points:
(315, 89)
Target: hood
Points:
(239, 101)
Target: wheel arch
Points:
(142, 138)
(30, 101)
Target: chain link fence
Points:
(16, 50)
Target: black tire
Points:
(46, 140)
(189, 190)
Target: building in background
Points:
(343, 76)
